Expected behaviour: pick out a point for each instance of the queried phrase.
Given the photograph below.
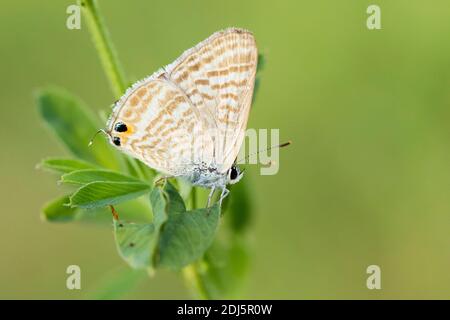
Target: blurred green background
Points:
(366, 181)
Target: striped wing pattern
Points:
(195, 109)
(218, 76)
(163, 128)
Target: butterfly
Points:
(188, 119)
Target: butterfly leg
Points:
(223, 195)
(210, 196)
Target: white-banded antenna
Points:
(281, 145)
(93, 137)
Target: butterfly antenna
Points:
(93, 137)
(281, 145)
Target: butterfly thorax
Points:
(212, 176)
(206, 176)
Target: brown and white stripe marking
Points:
(194, 110)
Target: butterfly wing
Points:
(218, 76)
(156, 123)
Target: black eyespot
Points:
(233, 173)
(120, 127)
(116, 141)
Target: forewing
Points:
(218, 76)
(163, 128)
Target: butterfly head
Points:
(116, 134)
(119, 132)
(234, 174)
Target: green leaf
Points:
(136, 243)
(72, 122)
(147, 172)
(138, 169)
(174, 239)
(99, 194)
(91, 175)
(186, 236)
(159, 205)
(185, 189)
(58, 211)
(175, 202)
(137, 210)
(132, 167)
(65, 165)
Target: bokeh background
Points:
(366, 180)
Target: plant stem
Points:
(192, 276)
(194, 198)
(104, 47)
(192, 273)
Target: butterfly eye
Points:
(116, 141)
(233, 173)
(120, 127)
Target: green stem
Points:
(192, 276)
(194, 198)
(104, 47)
(192, 273)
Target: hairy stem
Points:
(104, 47)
